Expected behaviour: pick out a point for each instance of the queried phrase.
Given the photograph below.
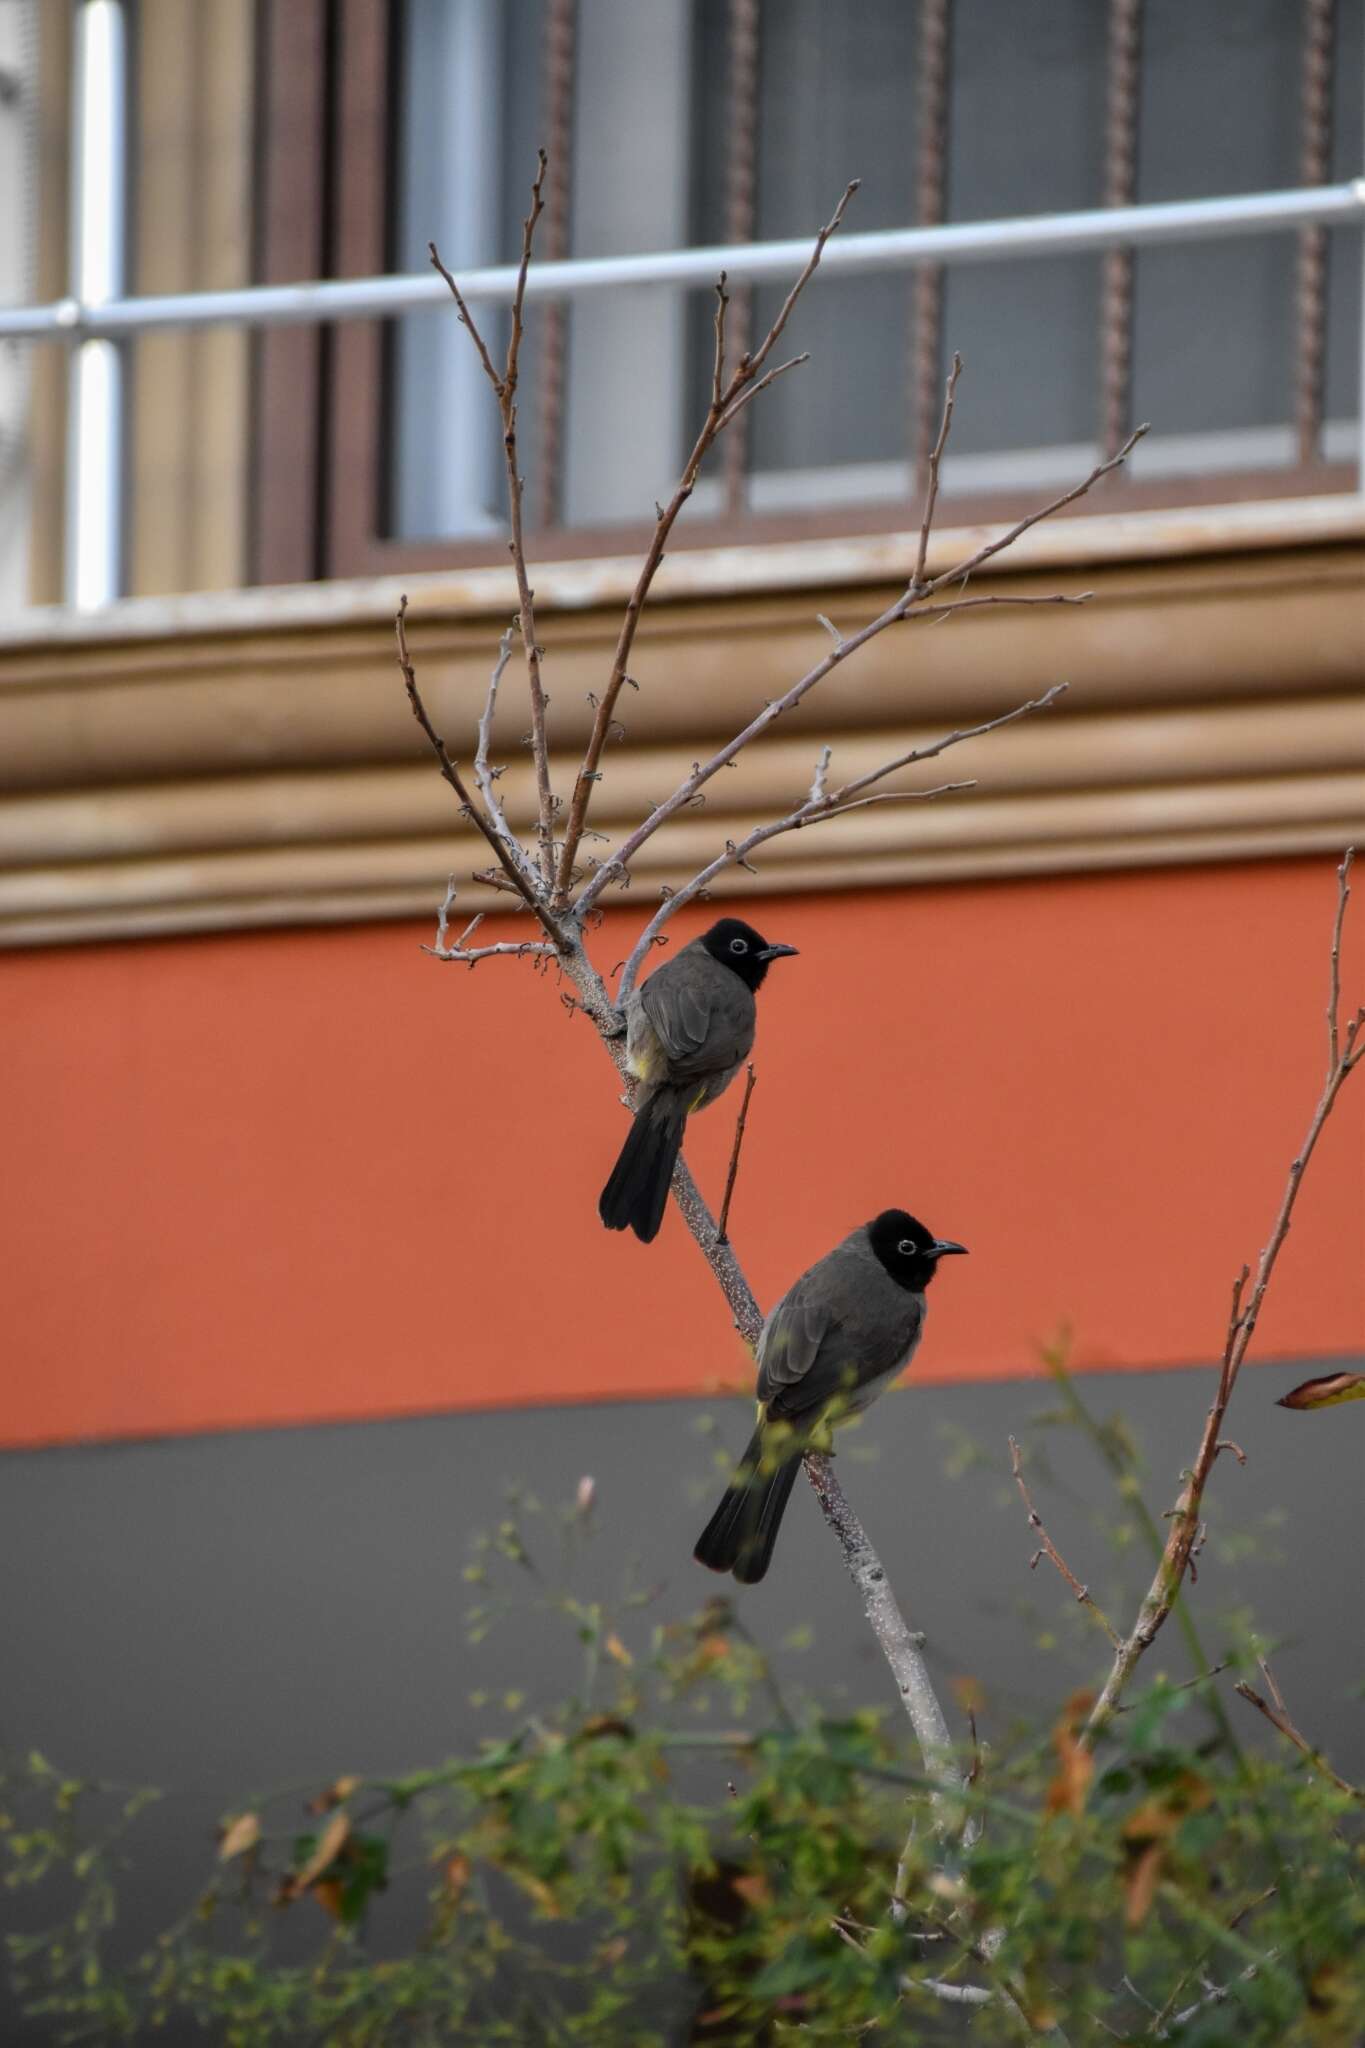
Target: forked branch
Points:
(1277, 1713)
(507, 856)
(727, 394)
(823, 803)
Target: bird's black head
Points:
(737, 945)
(909, 1252)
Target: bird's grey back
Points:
(844, 1317)
(701, 1012)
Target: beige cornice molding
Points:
(248, 759)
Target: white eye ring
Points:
(739, 945)
(908, 1247)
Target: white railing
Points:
(95, 318)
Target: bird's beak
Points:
(777, 952)
(941, 1245)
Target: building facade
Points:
(298, 1217)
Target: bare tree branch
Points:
(724, 394)
(470, 957)
(484, 774)
(961, 570)
(618, 862)
(1048, 1549)
(505, 388)
(792, 363)
(1185, 1516)
(469, 807)
(815, 809)
(931, 487)
(1278, 1716)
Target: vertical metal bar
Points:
(561, 22)
(93, 565)
(1120, 189)
(741, 189)
(1315, 155)
(931, 189)
(1360, 387)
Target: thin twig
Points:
(1334, 986)
(469, 807)
(723, 1227)
(972, 563)
(1185, 1516)
(935, 458)
(1048, 1549)
(725, 393)
(815, 810)
(505, 388)
(745, 397)
(1159, 2027)
(469, 956)
(904, 609)
(484, 774)
(737, 853)
(1276, 1712)
(818, 780)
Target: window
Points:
(692, 122)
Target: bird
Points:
(689, 1029)
(834, 1342)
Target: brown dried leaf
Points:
(458, 1872)
(238, 1836)
(970, 1695)
(1327, 1392)
(614, 1647)
(330, 1843)
(337, 1793)
(754, 1889)
(1147, 1836)
(1139, 1883)
(606, 1724)
(1076, 1763)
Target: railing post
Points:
(93, 563)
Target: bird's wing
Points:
(795, 1336)
(830, 1336)
(678, 1003)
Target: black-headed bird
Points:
(689, 1029)
(836, 1340)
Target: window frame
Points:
(327, 97)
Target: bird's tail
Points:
(635, 1196)
(739, 1537)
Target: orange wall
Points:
(308, 1175)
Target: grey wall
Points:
(226, 1613)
